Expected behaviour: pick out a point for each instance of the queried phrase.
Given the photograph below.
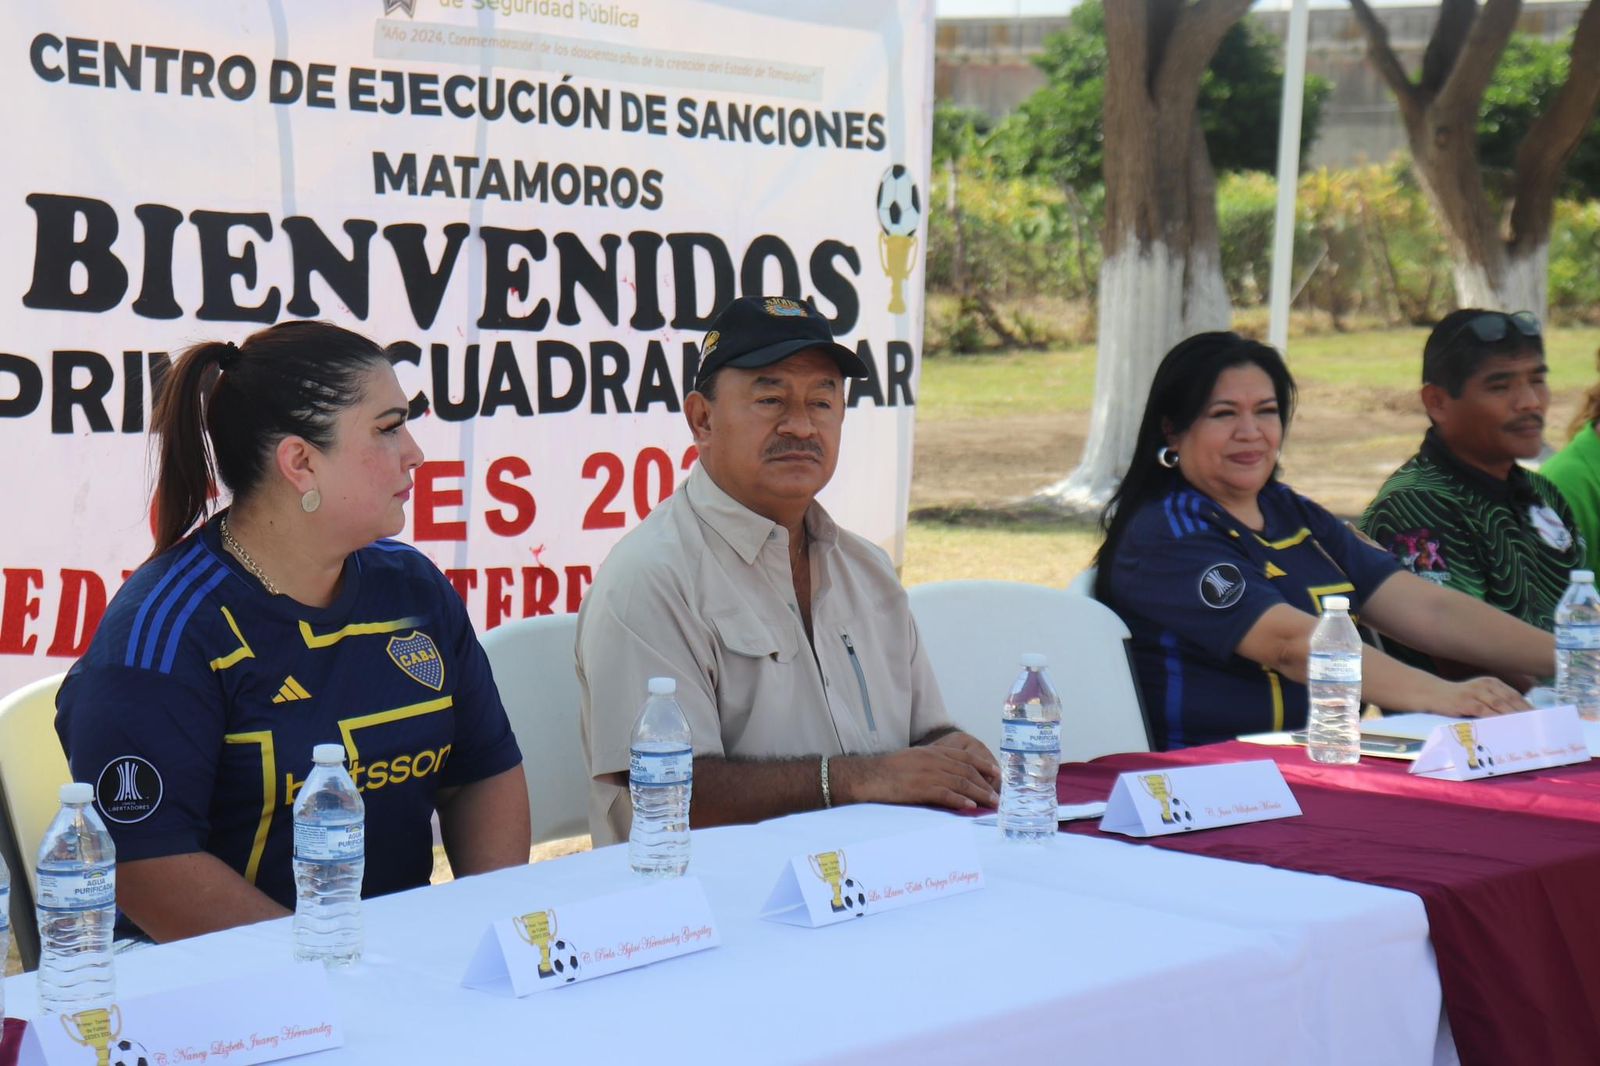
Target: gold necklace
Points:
(244, 557)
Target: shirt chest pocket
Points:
(756, 661)
(750, 637)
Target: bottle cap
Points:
(328, 754)
(1336, 603)
(1581, 576)
(663, 686)
(77, 792)
(1034, 660)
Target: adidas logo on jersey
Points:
(290, 691)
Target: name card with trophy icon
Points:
(1474, 748)
(555, 946)
(1152, 803)
(836, 884)
(275, 1014)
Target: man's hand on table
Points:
(954, 771)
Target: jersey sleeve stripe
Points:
(155, 594)
(152, 637)
(175, 635)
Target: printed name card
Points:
(1473, 748)
(276, 1014)
(1152, 803)
(555, 946)
(835, 884)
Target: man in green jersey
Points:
(1462, 512)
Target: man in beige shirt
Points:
(797, 660)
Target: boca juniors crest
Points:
(418, 656)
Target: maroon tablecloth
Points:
(11, 1041)
(1508, 869)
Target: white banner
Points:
(544, 201)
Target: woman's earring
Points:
(1167, 457)
(310, 501)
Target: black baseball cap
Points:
(757, 331)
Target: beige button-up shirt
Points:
(702, 592)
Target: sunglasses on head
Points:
(1491, 327)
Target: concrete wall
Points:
(986, 64)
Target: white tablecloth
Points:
(1083, 950)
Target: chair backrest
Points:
(976, 631)
(1083, 584)
(32, 771)
(534, 666)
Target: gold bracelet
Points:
(827, 793)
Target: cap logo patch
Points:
(784, 308)
(418, 656)
(1221, 586)
(128, 789)
(711, 343)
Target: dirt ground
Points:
(1342, 445)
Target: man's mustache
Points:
(1529, 422)
(783, 449)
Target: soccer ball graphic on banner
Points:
(128, 1053)
(899, 202)
(899, 213)
(564, 960)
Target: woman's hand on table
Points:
(1480, 697)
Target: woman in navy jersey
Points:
(1219, 569)
(284, 621)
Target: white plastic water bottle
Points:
(1030, 754)
(660, 780)
(330, 828)
(1578, 646)
(1333, 686)
(77, 907)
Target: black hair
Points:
(228, 406)
(1182, 385)
(1454, 352)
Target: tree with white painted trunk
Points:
(1500, 257)
(1161, 273)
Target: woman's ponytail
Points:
(184, 475)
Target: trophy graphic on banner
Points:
(538, 928)
(1160, 789)
(899, 212)
(1467, 735)
(95, 1028)
(830, 867)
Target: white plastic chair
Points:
(976, 631)
(535, 669)
(32, 771)
(1083, 583)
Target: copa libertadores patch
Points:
(129, 789)
(1221, 585)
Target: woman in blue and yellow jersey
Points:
(1219, 569)
(285, 621)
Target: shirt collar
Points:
(1515, 488)
(743, 529)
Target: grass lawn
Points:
(1062, 380)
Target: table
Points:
(1507, 868)
(1082, 949)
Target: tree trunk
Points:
(1496, 263)
(1161, 274)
